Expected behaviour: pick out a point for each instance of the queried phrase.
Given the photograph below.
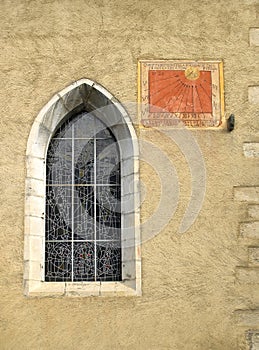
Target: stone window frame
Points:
(87, 95)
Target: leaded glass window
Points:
(83, 213)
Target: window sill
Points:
(82, 289)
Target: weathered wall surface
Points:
(191, 287)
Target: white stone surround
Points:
(103, 104)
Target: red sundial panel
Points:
(173, 92)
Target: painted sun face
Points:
(192, 73)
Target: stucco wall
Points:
(190, 290)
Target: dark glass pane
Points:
(107, 162)
(102, 132)
(59, 162)
(84, 221)
(65, 130)
(58, 213)
(108, 261)
(84, 162)
(84, 261)
(108, 212)
(83, 155)
(58, 262)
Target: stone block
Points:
(253, 256)
(120, 108)
(251, 149)
(33, 248)
(138, 252)
(128, 254)
(253, 339)
(128, 220)
(54, 115)
(129, 166)
(128, 203)
(82, 289)
(35, 187)
(103, 91)
(253, 94)
(72, 99)
(248, 318)
(42, 289)
(253, 211)
(137, 219)
(128, 238)
(247, 193)
(109, 289)
(35, 206)
(138, 269)
(128, 270)
(128, 184)
(124, 141)
(254, 36)
(128, 288)
(35, 168)
(38, 140)
(34, 226)
(247, 275)
(33, 270)
(250, 230)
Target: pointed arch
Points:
(82, 96)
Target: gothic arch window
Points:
(81, 211)
(83, 216)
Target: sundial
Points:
(187, 91)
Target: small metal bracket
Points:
(231, 122)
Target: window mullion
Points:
(72, 204)
(95, 257)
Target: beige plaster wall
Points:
(190, 293)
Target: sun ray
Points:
(166, 87)
(179, 84)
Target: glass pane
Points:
(101, 131)
(59, 213)
(83, 203)
(108, 261)
(107, 162)
(108, 212)
(84, 261)
(84, 161)
(58, 262)
(65, 130)
(59, 162)
(84, 221)
(84, 126)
